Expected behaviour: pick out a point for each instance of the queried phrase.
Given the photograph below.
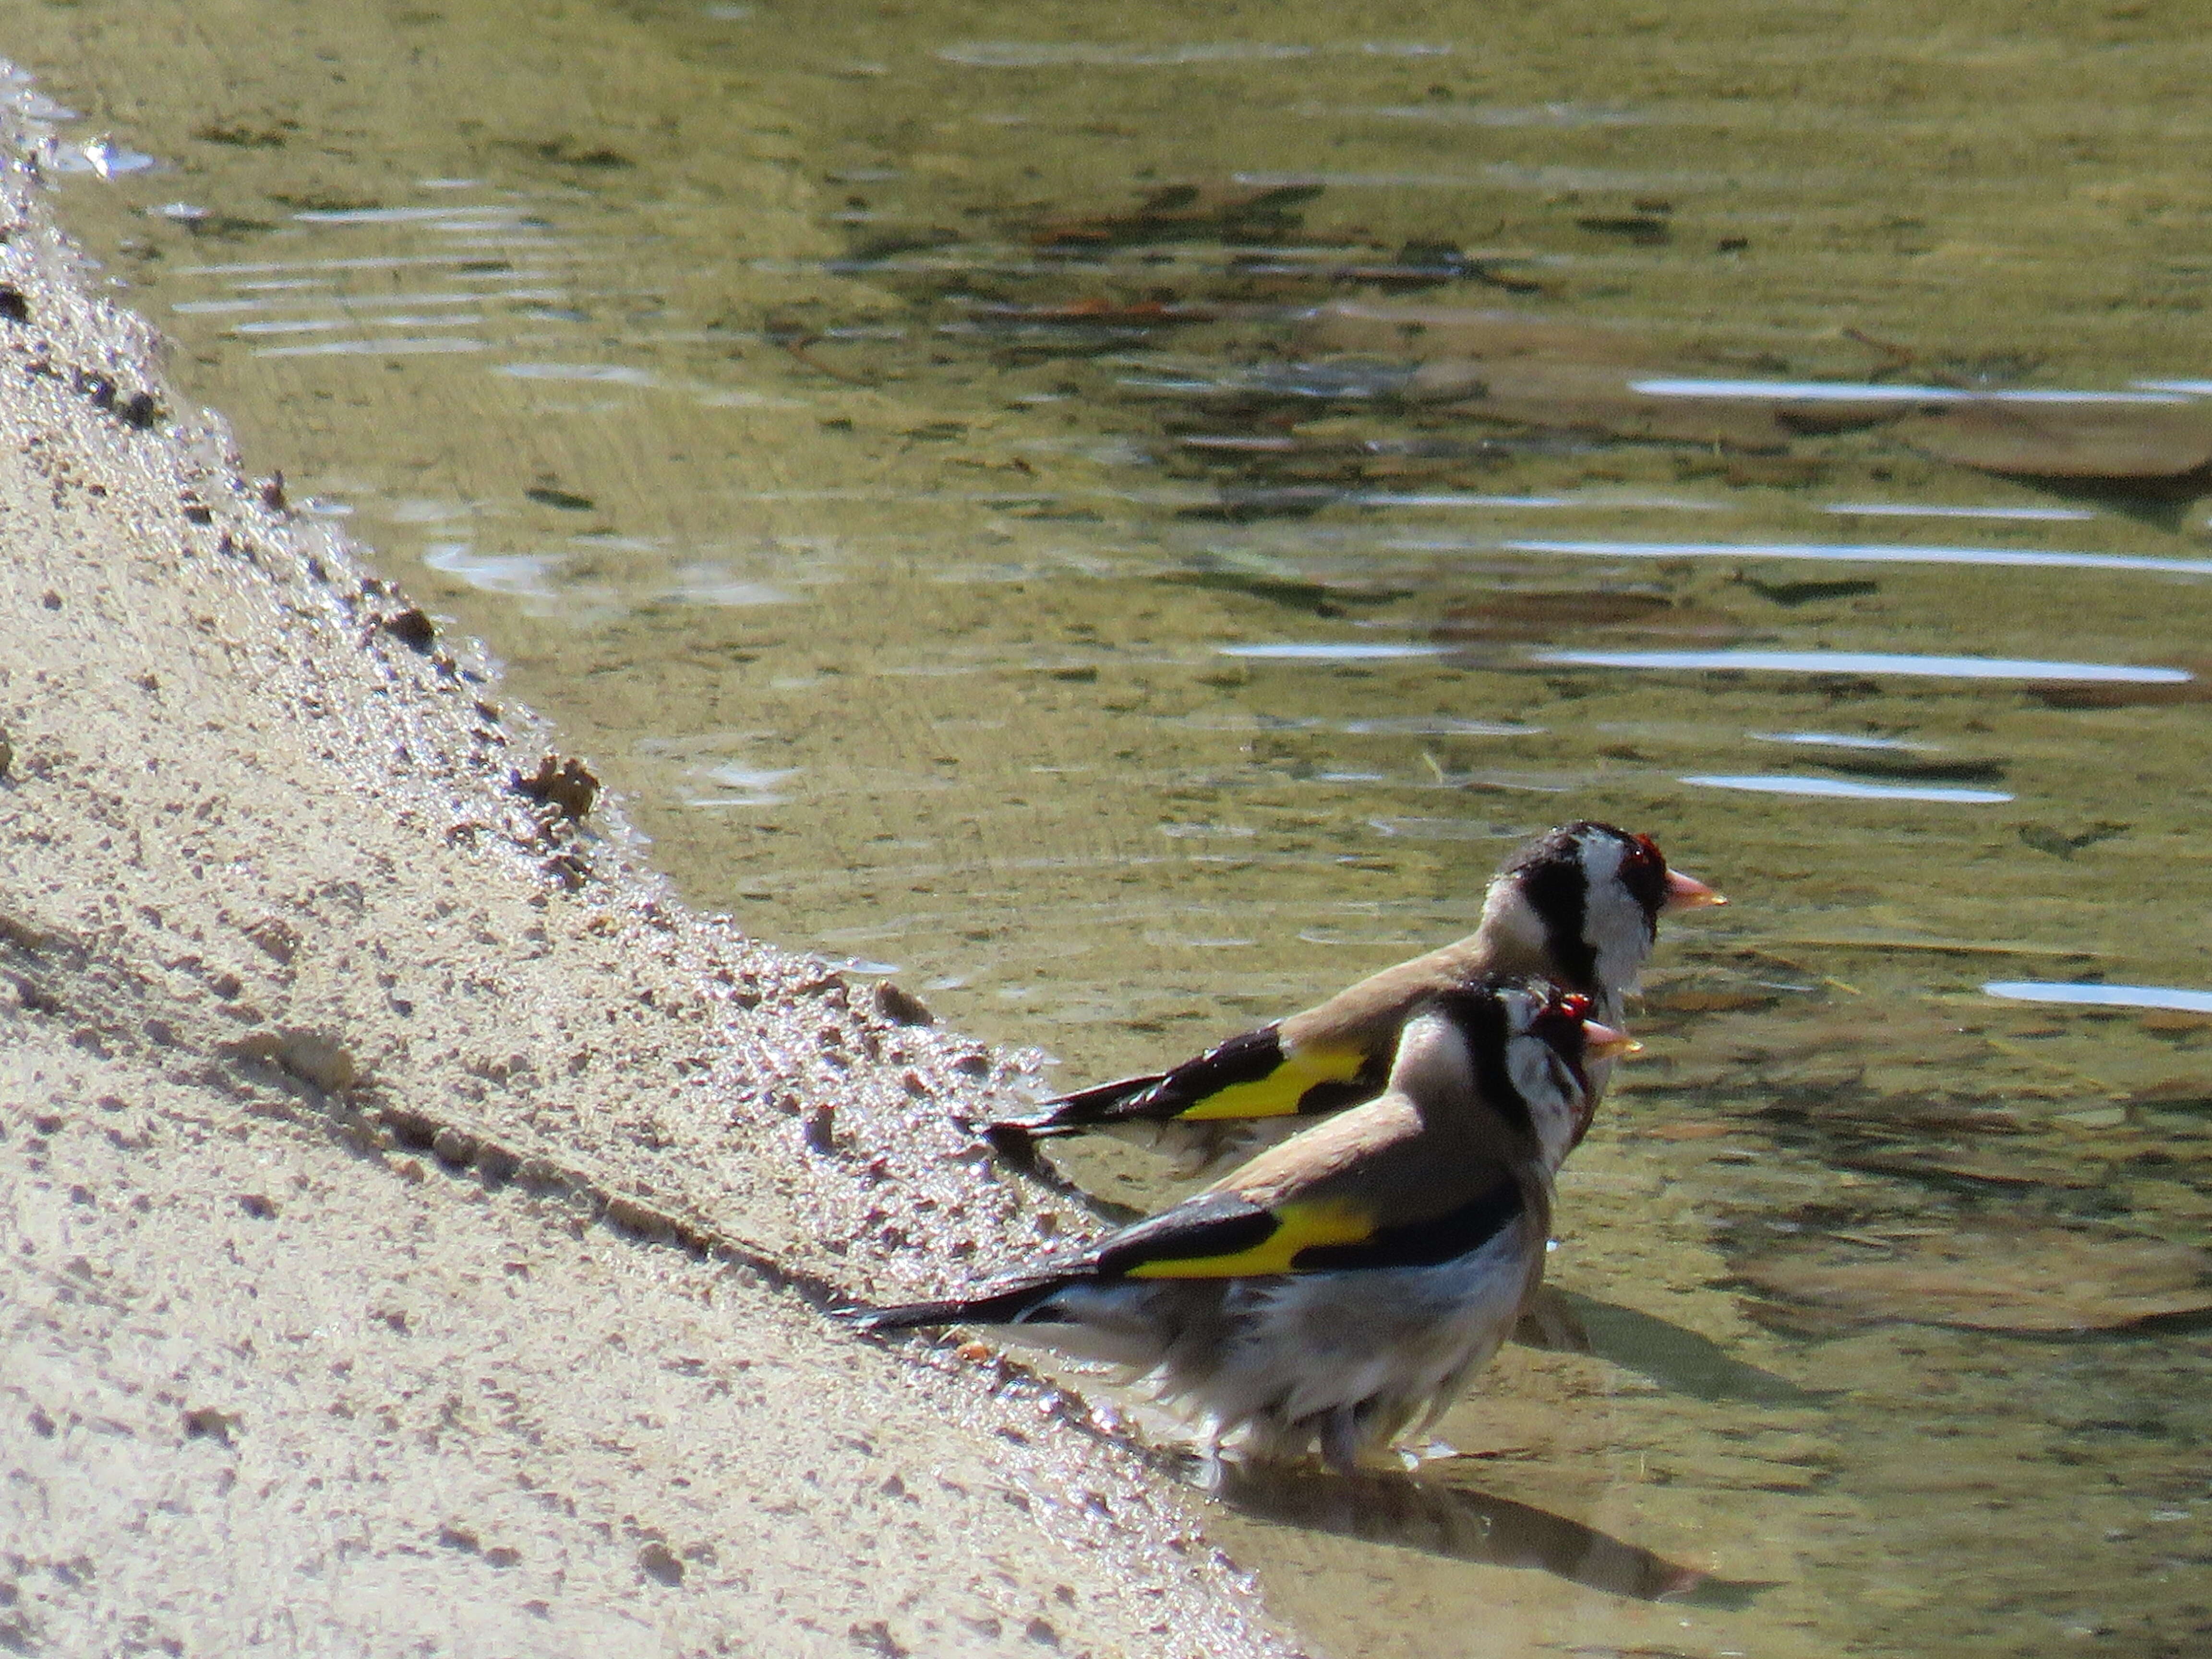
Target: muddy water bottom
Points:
(973, 561)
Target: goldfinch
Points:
(1579, 907)
(1344, 1287)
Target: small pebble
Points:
(657, 1560)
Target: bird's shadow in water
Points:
(1679, 1360)
(1437, 1517)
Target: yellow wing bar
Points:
(1279, 1093)
(1297, 1227)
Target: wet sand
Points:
(416, 1221)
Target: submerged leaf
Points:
(1993, 1278)
(1429, 333)
(1898, 1114)
(1924, 771)
(1097, 310)
(1586, 397)
(1184, 210)
(1607, 397)
(1532, 614)
(2126, 694)
(2085, 441)
(1976, 1165)
(1700, 999)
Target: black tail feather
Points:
(1150, 1097)
(1070, 1115)
(1002, 1309)
(1015, 1138)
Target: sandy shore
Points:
(415, 1222)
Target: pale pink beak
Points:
(1603, 1043)
(1688, 893)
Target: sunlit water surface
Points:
(1030, 608)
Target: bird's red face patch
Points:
(1560, 1025)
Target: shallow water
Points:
(1064, 614)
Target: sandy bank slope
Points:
(408, 1221)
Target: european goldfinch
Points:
(1345, 1286)
(1579, 907)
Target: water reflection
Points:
(524, 575)
(469, 218)
(1437, 725)
(1771, 783)
(1061, 54)
(1332, 651)
(1500, 115)
(425, 345)
(1889, 392)
(1932, 510)
(1837, 740)
(596, 373)
(1835, 553)
(1429, 828)
(100, 157)
(2101, 996)
(1871, 662)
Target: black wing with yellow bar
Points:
(1223, 1235)
(1249, 1076)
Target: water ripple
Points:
(1869, 662)
(1918, 510)
(474, 216)
(1493, 115)
(1869, 391)
(2101, 996)
(1836, 741)
(399, 348)
(1058, 54)
(1329, 651)
(603, 373)
(1844, 788)
(1848, 553)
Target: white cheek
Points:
(1555, 1102)
(1613, 923)
(1622, 940)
